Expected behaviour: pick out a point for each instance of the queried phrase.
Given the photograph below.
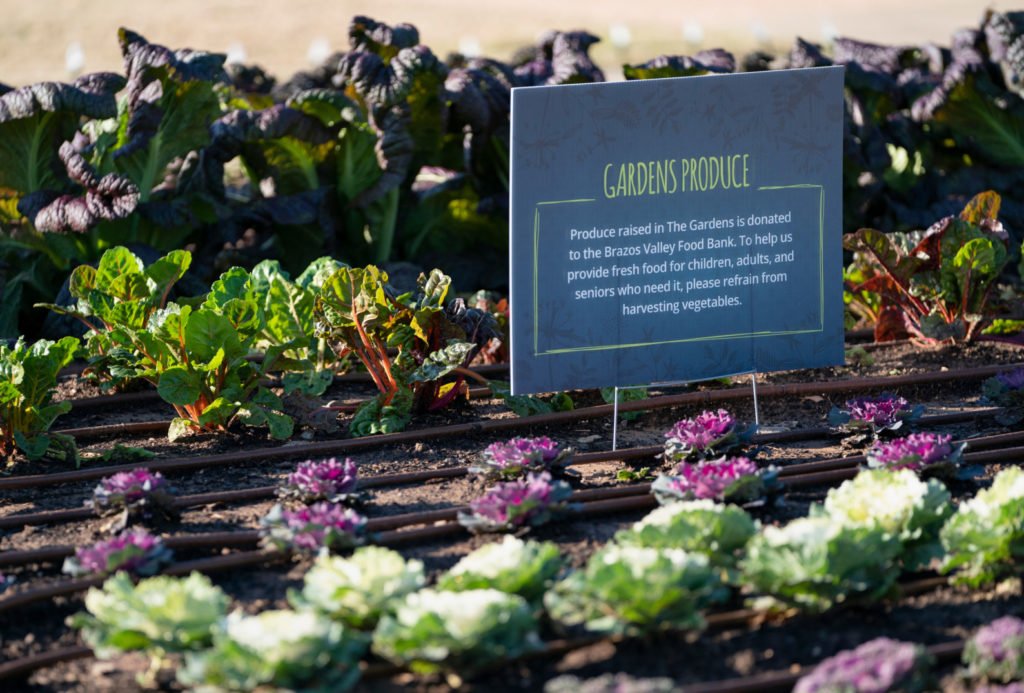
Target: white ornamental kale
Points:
(361, 588)
(996, 651)
(433, 630)
(986, 534)
(277, 648)
(899, 503)
(512, 565)
(633, 589)
(815, 562)
(717, 530)
(159, 615)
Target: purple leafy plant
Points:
(996, 652)
(511, 505)
(321, 525)
(881, 415)
(138, 493)
(517, 457)
(877, 666)
(708, 434)
(324, 480)
(135, 551)
(927, 454)
(735, 479)
(1006, 390)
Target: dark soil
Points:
(935, 617)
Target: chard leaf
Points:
(180, 428)
(442, 362)
(178, 385)
(207, 332)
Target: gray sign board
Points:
(676, 229)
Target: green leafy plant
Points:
(985, 537)
(119, 293)
(815, 562)
(357, 590)
(943, 280)
(512, 565)
(897, 502)
(278, 648)
(456, 631)
(633, 589)
(358, 312)
(28, 376)
(160, 615)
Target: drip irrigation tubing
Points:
(628, 454)
(334, 447)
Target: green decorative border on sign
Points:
(711, 338)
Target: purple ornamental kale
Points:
(519, 456)
(511, 505)
(736, 479)
(996, 652)
(1011, 380)
(136, 551)
(877, 666)
(708, 433)
(882, 415)
(925, 453)
(325, 480)
(138, 493)
(321, 525)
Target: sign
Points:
(676, 229)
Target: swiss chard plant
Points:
(632, 589)
(277, 649)
(28, 377)
(358, 311)
(941, 280)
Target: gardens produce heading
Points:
(669, 176)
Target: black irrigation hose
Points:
(326, 448)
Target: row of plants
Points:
(691, 554)
(388, 152)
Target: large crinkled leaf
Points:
(1004, 34)
(570, 59)
(103, 199)
(141, 57)
(442, 362)
(969, 106)
(330, 106)
(679, 66)
(807, 54)
(365, 34)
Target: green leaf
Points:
(180, 428)
(310, 382)
(34, 447)
(83, 280)
(178, 385)
(116, 265)
(218, 412)
(982, 207)
(442, 362)
(166, 271)
(207, 332)
(233, 284)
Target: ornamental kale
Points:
(512, 565)
(280, 649)
(709, 434)
(518, 456)
(139, 493)
(456, 631)
(877, 666)
(720, 531)
(137, 552)
(814, 562)
(511, 505)
(996, 651)
(731, 479)
(634, 590)
(926, 454)
(158, 615)
(985, 536)
(309, 529)
(882, 415)
(1007, 391)
(359, 589)
(28, 376)
(897, 502)
(358, 311)
(324, 480)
